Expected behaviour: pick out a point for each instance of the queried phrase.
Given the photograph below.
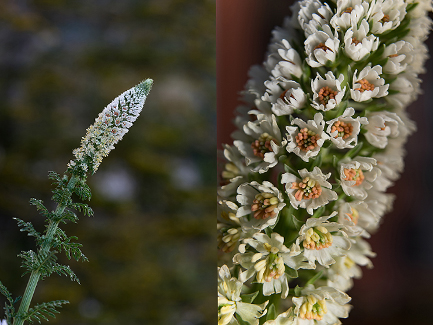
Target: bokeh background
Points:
(399, 289)
(151, 243)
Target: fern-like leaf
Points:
(30, 261)
(9, 305)
(27, 226)
(82, 207)
(62, 196)
(64, 270)
(41, 207)
(83, 191)
(67, 244)
(5, 292)
(43, 310)
(55, 177)
(67, 215)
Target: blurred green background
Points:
(151, 241)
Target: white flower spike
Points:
(110, 127)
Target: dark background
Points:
(151, 243)
(399, 289)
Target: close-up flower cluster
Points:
(320, 138)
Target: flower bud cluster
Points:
(109, 128)
(320, 139)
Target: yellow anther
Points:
(323, 305)
(260, 266)
(267, 195)
(315, 237)
(274, 200)
(322, 229)
(303, 310)
(311, 299)
(259, 197)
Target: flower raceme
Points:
(110, 126)
(320, 139)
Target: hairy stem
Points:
(45, 247)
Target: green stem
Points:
(45, 247)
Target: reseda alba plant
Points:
(109, 128)
(320, 139)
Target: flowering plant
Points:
(109, 128)
(320, 139)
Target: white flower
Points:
(422, 8)
(292, 99)
(312, 15)
(273, 55)
(356, 42)
(327, 93)
(3, 322)
(358, 218)
(321, 306)
(284, 95)
(269, 263)
(390, 162)
(311, 191)
(110, 126)
(349, 13)
(290, 64)
(420, 28)
(230, 302)
(260, 108)
(386, 15)
(260, 143)
(262, 202)
(379, 202)
(344, 129)
(383, 125)
(254, 88)
(229, 226)
(340, 274)
(357, 175)
(399, 55)
(407, 87)
(280, 34)
(286, 318)
(322, 240)
(306, 139)
(321, 46)
(420, 54)
(368, 84)
(235, 172)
